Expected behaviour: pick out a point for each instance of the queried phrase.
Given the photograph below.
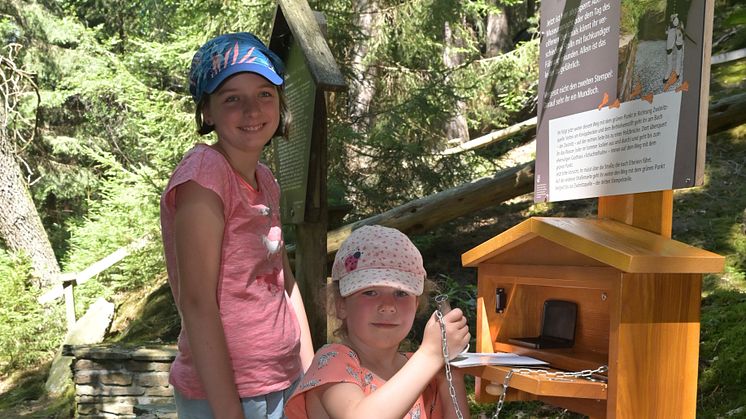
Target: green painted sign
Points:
(292, 155)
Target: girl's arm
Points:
(296, 300)
(449, 412)
(198, 230)
(393, 399)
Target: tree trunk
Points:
(362, 87)
(457, 128)
(20, 224)
(498, 34)
(425, 213)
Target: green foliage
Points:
(29, 332)
(712, 216)
(125, 211)
(416, 94)
(463, 296)
(500, 87)
(731, 20)
(634, 11)
(115, 118)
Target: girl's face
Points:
(379, 317)
(245, 111)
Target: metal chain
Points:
(501, 400)
(449, 375)
(442, 301)
(555, 374)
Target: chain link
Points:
(449, 375)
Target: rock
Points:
(87, 330)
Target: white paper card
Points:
(472, 359)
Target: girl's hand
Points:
(457, 335)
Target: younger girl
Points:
(244, 338)
(379, 277)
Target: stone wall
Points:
(122, 382)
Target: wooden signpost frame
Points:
(638, 294)
(297, 26)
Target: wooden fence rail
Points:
(69, 280)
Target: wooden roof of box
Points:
(592, 242)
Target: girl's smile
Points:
(245, 112)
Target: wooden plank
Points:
(484, 345)
(704, 93)
(493, 137)
(310, 254)
(628, 248)
(69, 306)
(556, 276)
(428, 212)
(302, 23)
(594, 409)
(513, 237)
(551, 254)
(94, 269)
(546, 385)
(726, 113)
(728, 56)
(616, 244)
(656, 341)
(651, 211)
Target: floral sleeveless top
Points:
(337, 363)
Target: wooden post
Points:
(310, 256)
(651, 211)
(298, 37)
(657, 328)
(69, 304)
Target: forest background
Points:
(96, 114)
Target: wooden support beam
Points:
(651, 211)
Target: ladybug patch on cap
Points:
(351, 261)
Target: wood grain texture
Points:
(297, 18)
(638, 297)
(544, 385)
(651, 211)
(655, 345)
(610, 242)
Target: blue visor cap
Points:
(226, 55)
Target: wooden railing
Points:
(71, 279)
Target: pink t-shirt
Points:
(261, 330)
(337, 363)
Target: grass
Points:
(25, 397)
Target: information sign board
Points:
(292, 154)
(622, 97)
